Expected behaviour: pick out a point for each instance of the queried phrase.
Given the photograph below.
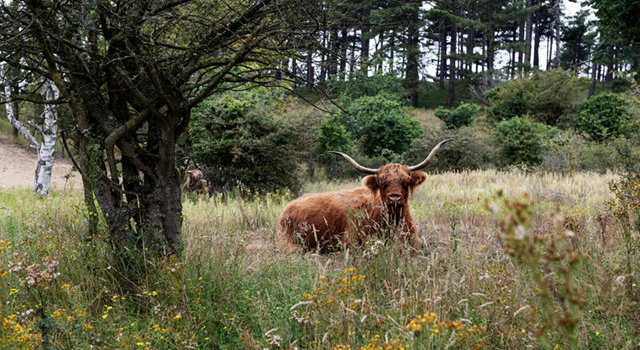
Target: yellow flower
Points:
(178, 316)
(105, 316)
(154, 293)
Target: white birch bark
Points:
(33, 143)
(49, 133)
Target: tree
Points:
(619, 17)
(577, 42)
(48, 132)
(128, 66)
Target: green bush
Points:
(471, 149)
(333, 136)
(547, 97)
(620, 84)
(360, 85)
(238, 142)
(461, 116)
(522, 139)
(379, 123)
(602, 116)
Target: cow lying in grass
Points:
(325, 221)
(196, 182)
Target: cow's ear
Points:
(418, 178)
(371, 182)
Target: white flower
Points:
(570, 233)
(620, 280)
(520, 232)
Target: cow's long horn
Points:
(430, 157)
(358, 167)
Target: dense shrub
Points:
(620, 84)
(333, 136)
(360, 85)
(471, 149)
(461, 116)
(602, 115)
(239, 143)
(522, 140)
(379, 122)
(547, 97)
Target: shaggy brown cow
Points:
(196, 181)
(325, 220)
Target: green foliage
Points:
(379, 123)
(238, 141)
(471, 149)
(332, 136)
(360, 85)
(619, 17)
(602, 115)
(522, 139)
(547, 96)
(461, 116)
(620, 84)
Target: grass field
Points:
(556, 272)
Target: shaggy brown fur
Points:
(196, 181)
(326, 220)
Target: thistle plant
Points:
(551, 262)
(625, 206)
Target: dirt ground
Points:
(18, 167)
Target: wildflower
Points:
(520, 232)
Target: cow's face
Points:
(394, 183)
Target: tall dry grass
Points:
(231, 288)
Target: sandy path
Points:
(18, 167)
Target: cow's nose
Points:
(395, 198)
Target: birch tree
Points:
(48, 131)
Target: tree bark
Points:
(557, 29)
(364, 39)
(471, 37)
(490, 51)
(521, 41)
(33, 143)
(332, 67)
(549, 52)
(310, 77)
(323, 59)
(536, 41)
(594, 75)
(49, 132)
(609, 75)
(344, 43)
(443, 52)
(413, 56)
(527, 43)
(294, 73)
(452, 63)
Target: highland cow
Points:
(329, 220)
